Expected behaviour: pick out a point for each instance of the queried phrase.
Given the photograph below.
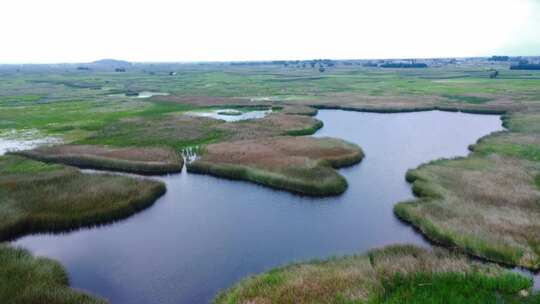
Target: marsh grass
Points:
(38, 197)
(467, 98)
(394, 274)
(174, 131)
(25, 279)
(303, 165)
(292, 109)
(305, 131)
(311, 179)
(149, 161)
(455, 288)
(485, 204)
(42, 197)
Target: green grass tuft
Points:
(454, 288)
(25, 279)
(467, 99)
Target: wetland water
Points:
(206, 233)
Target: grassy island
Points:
(134, 160)
(303, 165)
(394, 274)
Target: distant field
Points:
(75, 104)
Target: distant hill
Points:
(110, 63)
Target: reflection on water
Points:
(206, 233)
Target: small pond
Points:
(231, 114)
(143, 94)
(206, 233)
(15, 140)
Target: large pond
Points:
(206, 233)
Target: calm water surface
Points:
(206, 233)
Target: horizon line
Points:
(260, 60)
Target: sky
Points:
(53, 31)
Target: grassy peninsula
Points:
(149, 161)
(41, 197)
(303, 165)
(487, 203)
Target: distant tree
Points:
(119, 70)
(494, 74)
(403, 65)
(499, 58)
(321, 68)
(527, 66)
(370, 64)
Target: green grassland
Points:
(75, 105)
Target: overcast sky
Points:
(35, 31)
